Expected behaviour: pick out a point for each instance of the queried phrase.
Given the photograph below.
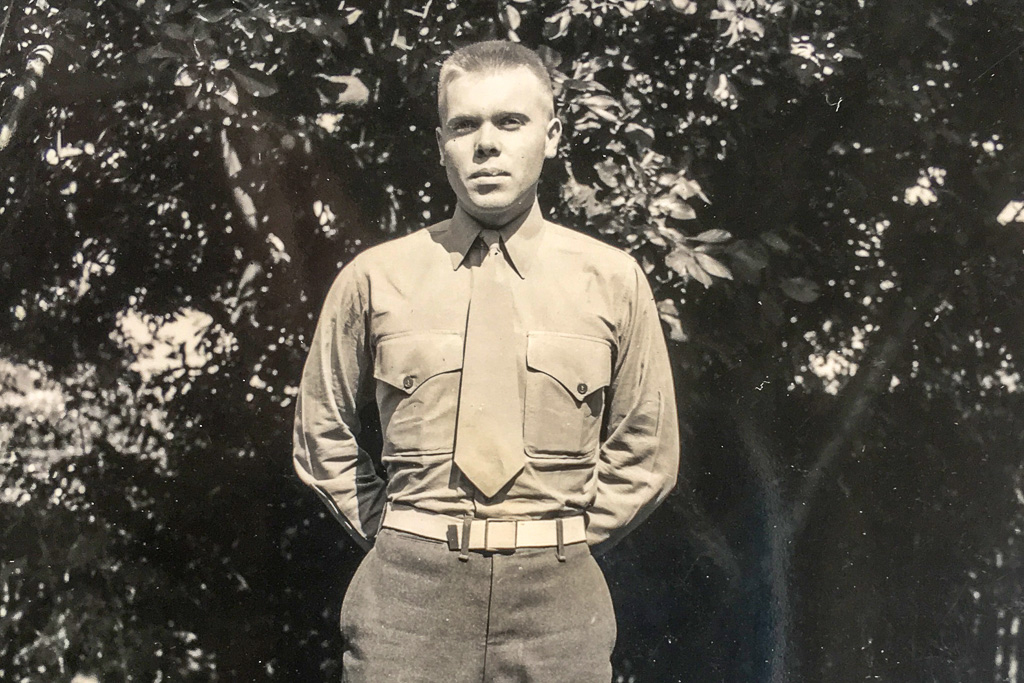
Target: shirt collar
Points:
(520, 237)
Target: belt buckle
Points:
(500, 535)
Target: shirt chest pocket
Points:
(418, 391)
(565, 385)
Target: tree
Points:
(821, 193)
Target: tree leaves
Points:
(155, 52)
(557, 25)
(642, 97)
(512, 18)
(349, 90)
(608, 172)
(775, 242)
(642, 136)
(604, 106)
(255, 83)
(800, 289)
(696, 265)
(749, 259)
(739, 22)
(671, 205)
(681, 260)
(215, 12)
(668, 310)
(582, 198)
(686, 7)
(713, 236)
(712, 266)
(687, 188)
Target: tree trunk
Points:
(776, 527)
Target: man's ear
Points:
(554, 134)
(440, 144)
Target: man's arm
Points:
(639, 459)
(336, 383)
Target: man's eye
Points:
(511, 123)
(462, 126)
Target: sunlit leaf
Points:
(608, 172)
(753, 26)
(246, 204)
(352, 90)
(642, 136)
(686, 7)
(677, 237)
(682, 261)
(277, 251)
(599, 101)
(713, 266)
(672, 205)
(512, 17)
(687, 188)
(668, 310)
(558, 25)
(1013, 211)
(184, 77)
(583, 198)
(249, 274)
(714, 236)
(719, 88)
(230, 93)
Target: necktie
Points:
(489, 428)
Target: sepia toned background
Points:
(827, 196)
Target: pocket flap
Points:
(580, 364)
(407, 361)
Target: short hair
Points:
(489, 56)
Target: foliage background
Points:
(826, 195)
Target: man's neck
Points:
(506, 218)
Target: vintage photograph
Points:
(538, 341)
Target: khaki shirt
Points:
(598, 413)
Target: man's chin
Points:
(491, 210)
(492, 201)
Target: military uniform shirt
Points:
(598, 405)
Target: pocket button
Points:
(582, 387)
(408, 381)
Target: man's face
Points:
(496, 130)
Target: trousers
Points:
(415, 613)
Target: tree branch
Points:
(7, 21)
(38, 60)
(861, 392)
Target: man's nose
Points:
(487, 141)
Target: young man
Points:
(526, 405)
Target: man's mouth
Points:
(487, 173)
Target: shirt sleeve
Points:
(639, 459)
(337, 380)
